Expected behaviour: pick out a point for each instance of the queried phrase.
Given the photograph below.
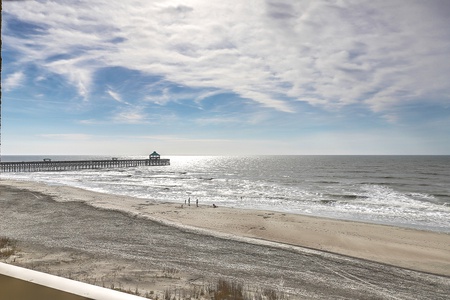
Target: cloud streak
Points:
(65, 136)
(116, 96)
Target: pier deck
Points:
(41, 166)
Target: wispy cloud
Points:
(134, 115)
(66, 136)
(116, 96)
(90, 122)
(177, 138)
(77, 71)
(327, 54)
(13, 81)
(219, 121)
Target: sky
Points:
(210, 77)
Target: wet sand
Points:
(413, 249)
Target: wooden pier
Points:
(48, 165)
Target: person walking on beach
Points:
(189, 201)
(196, 202)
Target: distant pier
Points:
(66, 165)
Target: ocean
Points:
(406, 191)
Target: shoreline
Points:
(413, 249)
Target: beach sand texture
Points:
(407, 248)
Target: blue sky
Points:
(206, 77)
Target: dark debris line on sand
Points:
(39, 220)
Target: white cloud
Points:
(328, 54)
(13, 81)
(163, 98)
(133, 115)
(116, 96)
(219, 121)
(66, 136)
(77, 71)
(90, 122)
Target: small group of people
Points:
(188, 202)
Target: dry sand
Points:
(408, 248)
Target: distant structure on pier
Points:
(154, 156)
(47, 164)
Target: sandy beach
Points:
(406, 248)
